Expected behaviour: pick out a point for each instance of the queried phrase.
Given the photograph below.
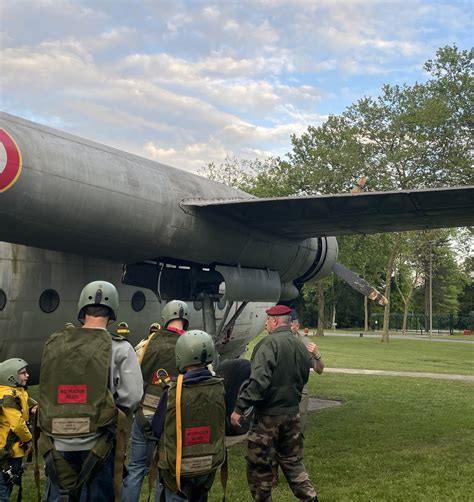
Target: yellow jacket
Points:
(14, 414)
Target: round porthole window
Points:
(49, 301)
(3, 299)
(138, 301)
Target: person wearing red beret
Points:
(280, 366)
(316, 363)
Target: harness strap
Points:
(224, 475)
(120, 447)
(50, 460)
(64, 476)
(144, 424)
(153, 473)
(179, 435)
(36, 470)
(19, 496)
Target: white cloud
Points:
(188, 83)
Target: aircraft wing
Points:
(343, 214)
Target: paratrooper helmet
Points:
(98, 293)
(194, 347)
(9, 371)
(175, 309)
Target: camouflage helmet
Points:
(194, 347)
(98, 293)
(175, 309)
(9, 371)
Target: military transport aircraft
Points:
(73, 211)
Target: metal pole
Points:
(431, 293)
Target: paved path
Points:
(424, 338)
(413, 374)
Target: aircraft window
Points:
(197, 305)
(3, 299)
(138, 301)
(49, 301)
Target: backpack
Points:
(193, 440)
(159, 355)
(76, 402)
(74, 394)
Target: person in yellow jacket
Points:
(15, 436)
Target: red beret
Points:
(278, 310)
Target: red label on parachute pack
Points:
(197, 435)
(72, 394)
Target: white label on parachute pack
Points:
(71, 426)
(196, 464)
(151, 401)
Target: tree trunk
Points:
(427, 304)
(321, 299)
(406, 305)
(388, 284)
(366, 314)
(405, 317)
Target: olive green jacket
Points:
(280, 367)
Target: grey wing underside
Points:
(343, 214)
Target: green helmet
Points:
(98, 293)
(175, 309)
(123, 329)
(194, 347)
(9, 371)
(154, 327)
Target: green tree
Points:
(408, 137)
(466, 297)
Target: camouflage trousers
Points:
(276, 438)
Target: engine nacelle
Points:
(190, 281)
(324, 260)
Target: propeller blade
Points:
(359, 284)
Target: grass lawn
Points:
(402, 355)
(394, 439)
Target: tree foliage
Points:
(410, 136)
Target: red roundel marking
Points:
(10, 167)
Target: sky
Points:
(187, 83)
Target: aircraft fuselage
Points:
(31, 278)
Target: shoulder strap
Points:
(179, 437)
(9, 401)
(145, 346)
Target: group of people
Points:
(93, 383)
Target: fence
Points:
(442, 323)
